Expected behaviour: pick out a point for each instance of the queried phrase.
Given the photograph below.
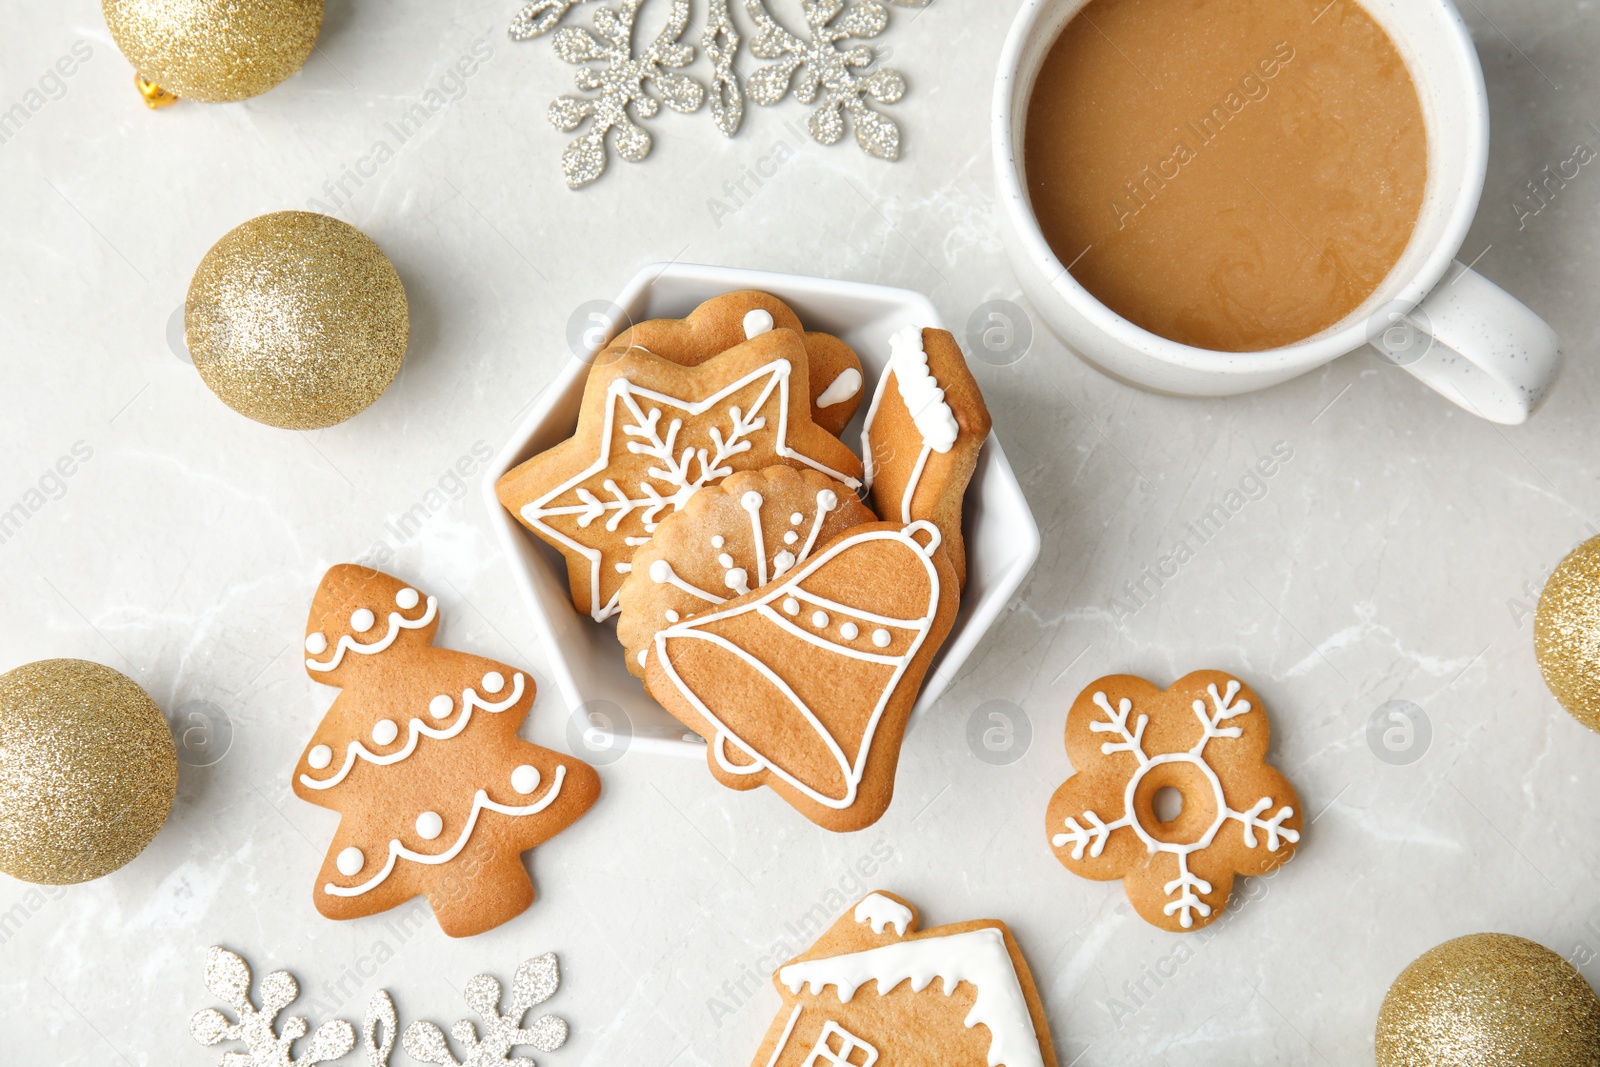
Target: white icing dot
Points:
(624, 568)
(725, 559)
(718, 541)
(751, 500)
(819, 619)
(644, 654)
(362, 620)
(850, 631)
(350, 862)
(797, 518)
(661, 572)
(781, 563)
(881, 638)
(790, 538)
(317, 643)
(319, 757)
(384, 731)
(429, 825)
(525, 779)
(757, 322)
(673, 616)
(738, 579)
(440, 706)
(791, 606)
(493, 682)
(406, 599)
(827, 500)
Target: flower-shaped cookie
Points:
(1206, 738)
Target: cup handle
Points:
(1475, 344)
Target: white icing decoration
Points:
(674, 465)
(978, 957)
(819, 619)
(362, 620)
(842, 388)
(635, 542)
(783, 1042)
(718, 541)
(882, 638)
(661, 573)
(1095, 835)
(782, 563)
(350, 862)
(738, 580)
(624, 568)
(757, 322)
(397, 622)
(878, 911)
(825, 1054)
(317, 643)
(525, 779)
(407, 598)
(493, 682)
(644, 654)
(923, 398)
(384, 731)
(789, 538)
(469, 700)
(796, 519)
(480, 802)
(319, 757)
(672, 616)
(791, 592)
(429, 825)
(725, 559)
(850, 631)
(751, 502)
(441, 706)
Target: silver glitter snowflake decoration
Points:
(819, 71)
(536, 982)
(825, 68)
(621, 81)
(228, 978)
(539, 17)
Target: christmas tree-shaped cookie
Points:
(420, 756)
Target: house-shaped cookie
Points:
(874, 991)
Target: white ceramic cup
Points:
(1443, 322)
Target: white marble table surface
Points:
(1396, 556)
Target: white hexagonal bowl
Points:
(585, 657)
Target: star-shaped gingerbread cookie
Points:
(652, 432)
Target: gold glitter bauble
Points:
(1566, 633)
(296, 320)
(215, 50)
(1489, 1000)
(88, 771)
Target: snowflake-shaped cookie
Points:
(1206, 738)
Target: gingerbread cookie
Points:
(724, 321)
(420, 755)
(923, 432)
(733, 537)
(1205, 738)
(651, 433)
(875, 991)
(805, 684)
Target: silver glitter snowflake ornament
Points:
(228, 978)
(621, 81)
(819, 71)
(536, 982)
(539, 17)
